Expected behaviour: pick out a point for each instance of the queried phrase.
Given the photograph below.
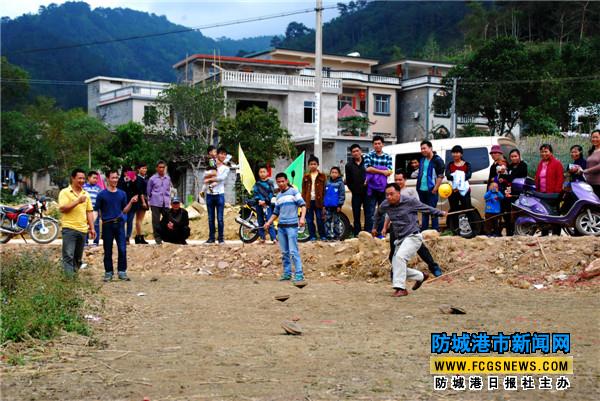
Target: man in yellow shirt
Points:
(77, 221)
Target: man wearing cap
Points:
(175, 224)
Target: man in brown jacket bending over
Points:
(313, 193)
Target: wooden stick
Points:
(543, 253)
(460, 211)
(449, 273)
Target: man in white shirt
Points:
(215, 201)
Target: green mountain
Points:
(386, 29)
(75, 22)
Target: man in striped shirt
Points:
(286, 208)
(92, 188)
(378, 164)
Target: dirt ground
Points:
(208, 326)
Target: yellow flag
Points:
(246, 174)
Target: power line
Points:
(152, 35)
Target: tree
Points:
(259, 132)
(23, 144)
(85, 132)
(494, 83)
(15, 84)
(296, 30)
(187, 120)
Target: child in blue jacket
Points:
(263, 192)
(335, 195)
(493, 199)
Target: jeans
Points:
(358, 201)
(406, 250)
(312, 213)
(429, 199)
(215, 202)
(373, 201)
(157, 214)
(332, 229)
(288, 243)
(263, 214)
(97, 229)
(114, 230)
(130, 221)
(72, 249)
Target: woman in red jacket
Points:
(549, 178)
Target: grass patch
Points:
(38, 300)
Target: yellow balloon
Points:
(445, 190)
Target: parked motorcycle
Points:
(28, 218)
(248, 221)
(539, 211)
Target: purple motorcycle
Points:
(541, 210)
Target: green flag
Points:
(295, 172)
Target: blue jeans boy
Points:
(313, 213)
(114, 230)
(263, 214)
(288, 243)
(430, 199)
(215, 202)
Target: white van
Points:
(476, 152)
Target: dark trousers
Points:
(177, 235)
(157, 214)
(72, 249)
(97, 229)
(430, 199)
(373, 201)
(596, 188)
(114, 231)
(263, 214)
(332, 229)
(458, 202)
(215, 204)
(423, 253)
(358, 201)
(313, 213)
(492, 224)
(130, 221)
(509, 223)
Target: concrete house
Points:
(118, 101)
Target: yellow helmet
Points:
(445, 190)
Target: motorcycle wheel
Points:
(44, 230)
(4, 238)
(527, 229)
(248, 235)
(588, 222)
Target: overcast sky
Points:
(194, 13)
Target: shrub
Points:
(38, 300)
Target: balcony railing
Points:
(425, 79)
(354, 76)
(145, 91)
(277, 80)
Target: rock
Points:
(430, 234)
(193, 214)
(472, 278)
(223, 265)
(499, 271)
(201, 209)
(265, 263)
(592, 270)
(364, 236)
(515, 267)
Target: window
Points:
(150, 115)
(309, 112)
(478, 157)
(344, 100)
(403, 161)
(382, 104)
(441, 103)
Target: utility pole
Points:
(318, 145)
(453, 110)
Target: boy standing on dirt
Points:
(286, 208)
(335, 195)
(313, 192)
(263, 192)
(402, 212)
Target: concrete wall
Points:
(410, 102)
(295, 115)
(116, 113)
(384, 124)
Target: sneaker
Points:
(400, 292)
(299, 277)
(418, 284)
(285, 277)
(210, 241)
(221, 242)
(107, 277)
(437, 271)
(123, 276)
(158, 241)
(83, 266)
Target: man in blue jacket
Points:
(431, 174)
